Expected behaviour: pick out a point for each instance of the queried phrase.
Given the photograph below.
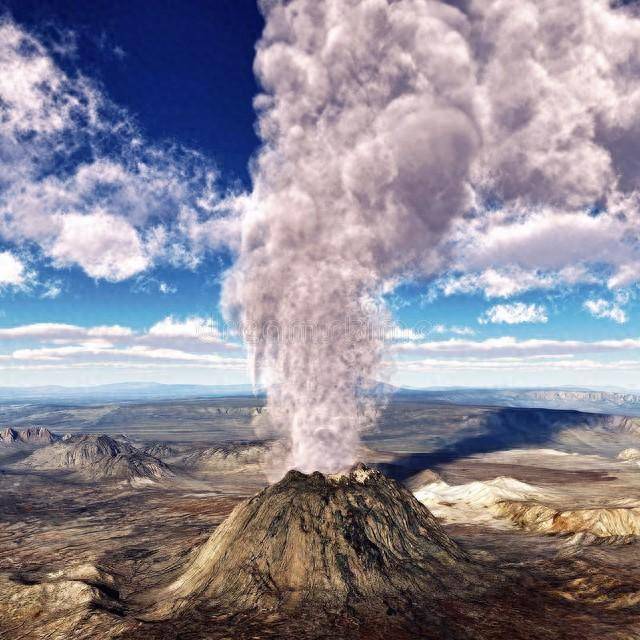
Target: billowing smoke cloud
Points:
(383, 122)
(369, 129)
(560, 85)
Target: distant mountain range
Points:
(121, 392)
(590, 400)
(612, 400)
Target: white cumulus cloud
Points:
(104, 245)
(12, 270)
(117, 211)
(600, 308)
(516, 313)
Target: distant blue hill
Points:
(119, 392)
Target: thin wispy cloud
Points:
(514, 365)
(510, 280)
(443, 329)
(511, 346)
(192, 340)
(81, 182)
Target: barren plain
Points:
(466, 522)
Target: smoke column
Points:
(383, 122)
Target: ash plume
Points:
(383, 122)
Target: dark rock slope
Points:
(324, 547)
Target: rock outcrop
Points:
(58, 604)
(478, 493)
(602, 522)
(422, 479)
(160, 450)
(629, 455)
(475, 502)
(30, 435)
(99, 457)
(235, 456)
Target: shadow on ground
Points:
(504, 429)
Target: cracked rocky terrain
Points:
(155, 520)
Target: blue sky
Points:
(184, 70)
(114, 242)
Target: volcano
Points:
(356, 547)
